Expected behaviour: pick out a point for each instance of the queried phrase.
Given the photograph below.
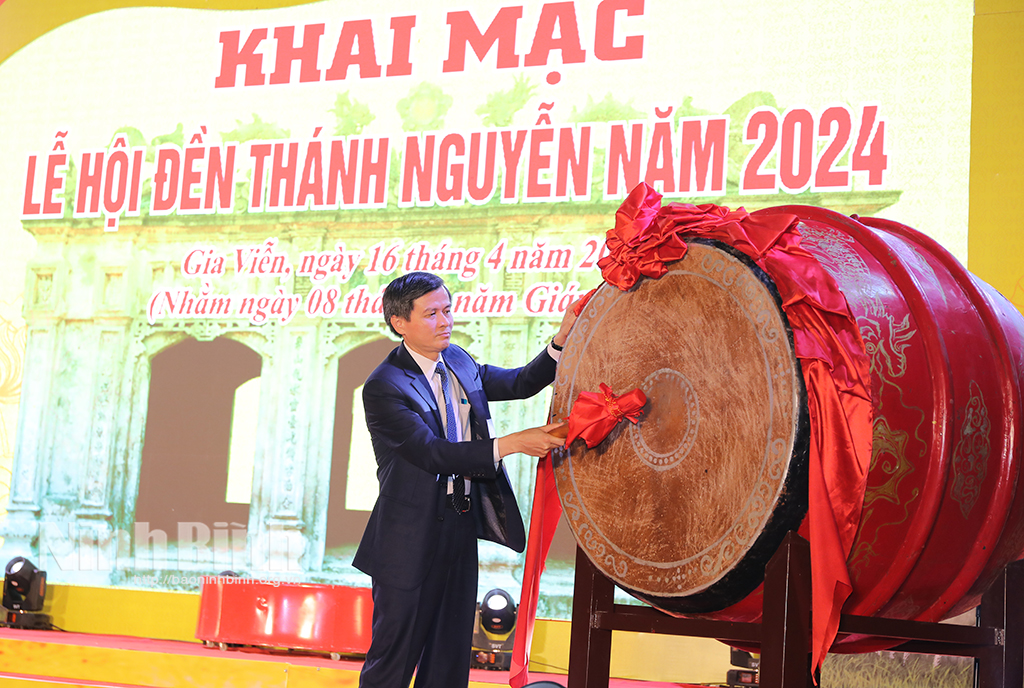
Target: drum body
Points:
(684, 510)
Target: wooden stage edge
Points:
(39, 659)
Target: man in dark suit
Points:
(433, 437)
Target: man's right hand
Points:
(534, 441)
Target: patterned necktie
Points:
(451, 432)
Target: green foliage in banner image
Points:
(501, 106)
(424, 108)
(351, 115)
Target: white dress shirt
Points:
(459, 399)
(462, 409)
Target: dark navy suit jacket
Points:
(413, 461)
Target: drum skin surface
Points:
(711, 462)
(943, 510)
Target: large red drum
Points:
(684, 510)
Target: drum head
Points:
(684, 509)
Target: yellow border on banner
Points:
(23, 21)
(995, 240)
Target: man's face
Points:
(428, 330)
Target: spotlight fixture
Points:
(24, 592)
(747, 675)
(494, 634)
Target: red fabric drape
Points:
(648, 236)
(544, 515)
(592, 418)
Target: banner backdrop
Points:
(199, 211)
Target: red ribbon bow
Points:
(647, 237)
(594, 415)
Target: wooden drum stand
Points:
(784, 634)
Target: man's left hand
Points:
(568, 320)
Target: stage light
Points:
(741, 678)
(747, 676)
(24, 593)
(498, 613)
(494, 634)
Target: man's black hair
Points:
(400, 295)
